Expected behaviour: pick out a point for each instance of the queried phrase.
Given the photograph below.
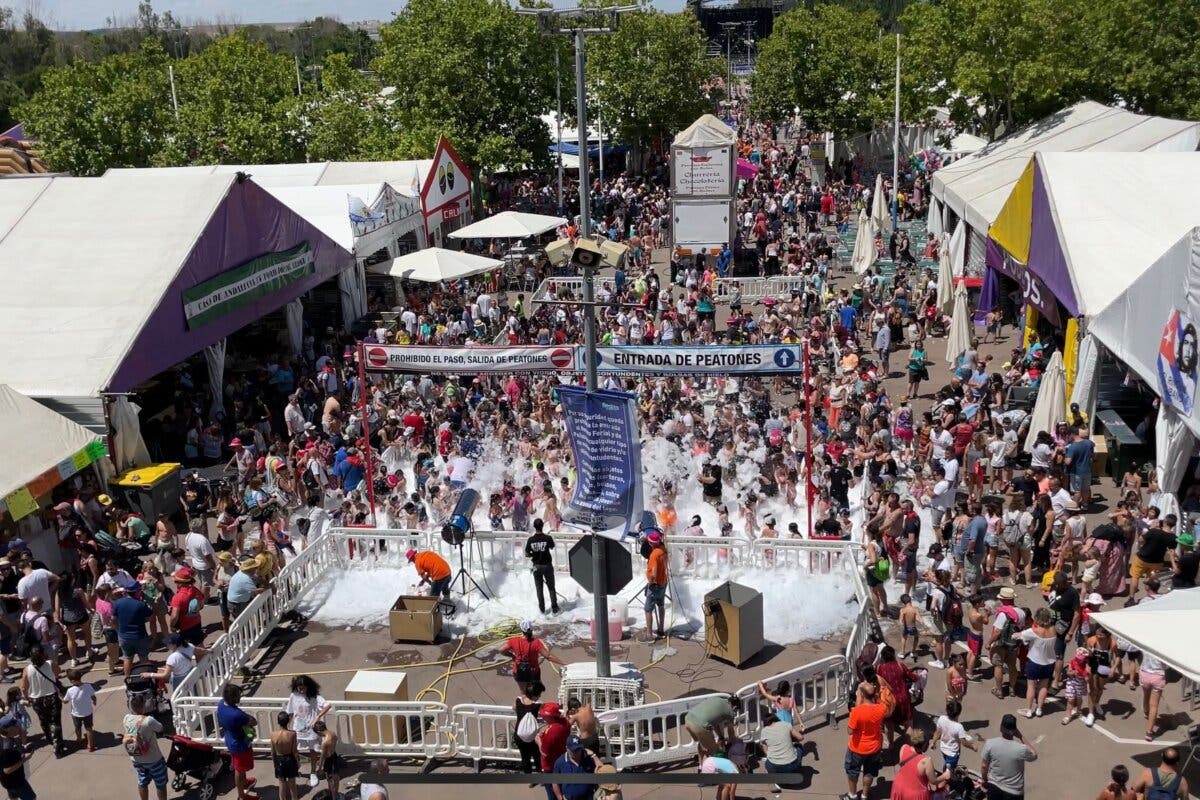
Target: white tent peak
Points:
(509, 225)
(708, 131)
(434, 264)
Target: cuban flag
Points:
(1177, 363)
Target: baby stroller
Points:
(201, 762)
(142, 683)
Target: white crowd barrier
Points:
(636, 736)
(485, 733)
(415, 730)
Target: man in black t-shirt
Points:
(539, 549)
(12, 760)
(1064, 602)
(710, 482)
(1156, 547)
(839, 485)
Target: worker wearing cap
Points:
(656, 582)
(433, 570)
(576, 760)
(527, 652)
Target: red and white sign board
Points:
(467, 360)
(703, 171)
(447, 187)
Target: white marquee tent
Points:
(1156, 628)
(434, 264)
(975, 187)
(1114, 214)
(509, 225)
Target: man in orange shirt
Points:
(866, 740)
(656, 582)
(433, 570)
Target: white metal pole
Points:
(558, 124)
(174, 97)
(896, 145)
(600, 127)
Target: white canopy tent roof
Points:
(708, 131)
(54, 314)
(405, 176)
(435, 264)
(1131, 326)
(326, 207)
(509, 225)
(40, 437)
(966, 143)
(1115, 213)
(1162, 628)
(976, 186)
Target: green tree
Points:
(648, 77)
(352, 118)
(1145, 55)
(473, 70)
(113, 113)
(830, 62)
(26, 51)
(237, 105)
(1002, 62)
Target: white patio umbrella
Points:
(864, 244)
(945, 282)
(435, 264)
(509, 225)
(879, 208)
(960, 327)
(1050, 408)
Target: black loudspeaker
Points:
(618, 563)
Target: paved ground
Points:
(1074, 764)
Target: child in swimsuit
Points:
(283, 755)
(908, 621)
(331, 762)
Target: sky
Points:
(77, 14)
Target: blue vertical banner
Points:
(603, 431)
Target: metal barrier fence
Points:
(636, 736)
(396, 729)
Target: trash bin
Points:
(733, 622)
(150, 491)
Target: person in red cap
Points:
(552, 739)
(433, 570)
(656, 582)
(186, 605)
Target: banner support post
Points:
(809, 490)
(366, 428)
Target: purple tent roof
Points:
(15, 132)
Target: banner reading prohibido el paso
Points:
(467, 360)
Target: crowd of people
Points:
(962, 506)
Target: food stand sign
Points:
(703, 171)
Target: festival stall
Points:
(1156, 628)
(703, 184)
(974, 188)
(108, 282)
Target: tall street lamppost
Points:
(578, 23)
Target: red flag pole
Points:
(809, 488)
(366, 426)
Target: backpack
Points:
(951, 610)
(1160, 791)
(882, 568)
(135, 745)
(886, 698)
(1008, 636)
(528, 727)
(27, 638)
(1012, 529)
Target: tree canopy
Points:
(647, 78)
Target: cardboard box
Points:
(1099, 455)
(415, 618)
(368, 729)
(733, 622)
